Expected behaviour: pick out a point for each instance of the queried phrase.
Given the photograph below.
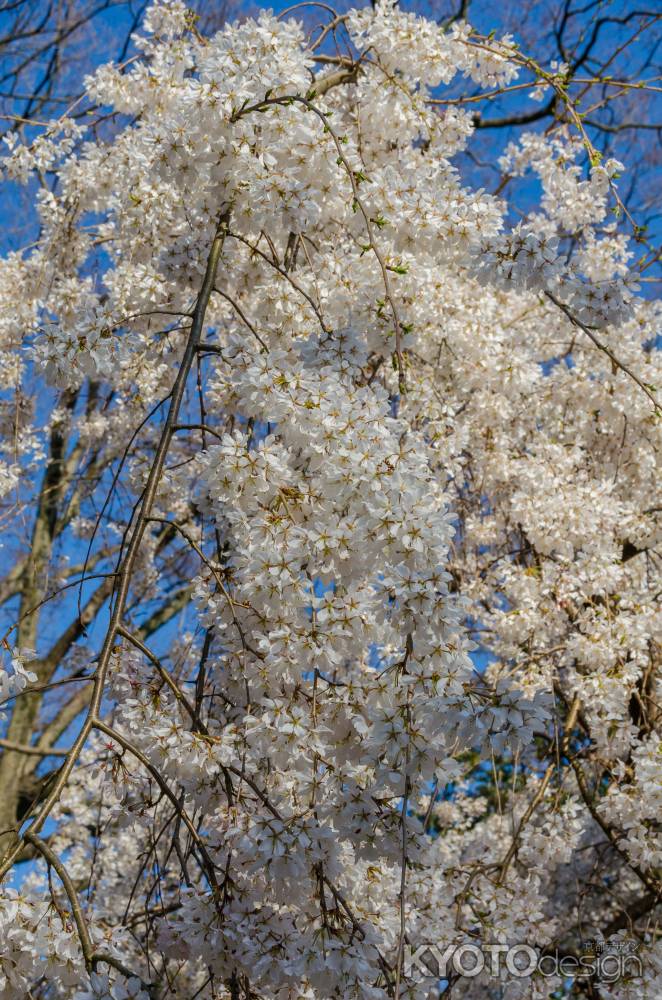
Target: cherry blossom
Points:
(360, 425)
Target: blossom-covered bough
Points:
(324, 419)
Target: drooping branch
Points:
(125, 570)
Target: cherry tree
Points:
(295, 420)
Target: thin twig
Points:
(606, 350)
